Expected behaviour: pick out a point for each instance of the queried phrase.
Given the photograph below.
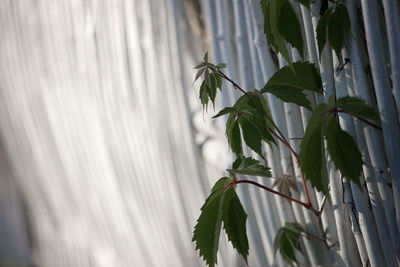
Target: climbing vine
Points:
(250, 124)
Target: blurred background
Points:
(99, 163)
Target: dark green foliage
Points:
(212, 81)
(223, 205)
(250, 113)
(224, 111)
(234, 218)
(233, 134)
(200, 72)
(305, 3)
(221, 65)
(208, 90)
(344, 152)
(256, 109)
(287, 240)
(335, 23)
(289, 83)
(207, 230)
(341, 146)
(289, 26)
(322, 29)
(249, 166)
(251, 135)
(314, 163)
(312, 150)
(212, 89)
(282, 24)
(203, 94)
(250, 120)
(357, 107)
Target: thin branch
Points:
(298, 163)
(360, 118)
(276, 127)
(307, 234)
(283, 141)
(232, 82)
(306, 205)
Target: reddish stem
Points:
(232, 82)
(306, 205)
(284, 142)
(360, 118)
(298, 163)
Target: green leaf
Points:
(289, 26)
(262, 125)
(339, 28)
(313, 162)
(218, 188)
(221, 65)
(207, 78)
(288, 83)
(233, 134)
(312, 150)
(207, 230)
(265, 5)
(249, 166)
(332, 100)
(267, 112)
(279, 41)
(251, 135)
(291, 95)
(253, 109)
(344, 152)
(212, 89)
(201, 65)
(335, 35)
(322, 29)
(357, 107)
(199, 73)
(219, 81)
(234, 218)
(287, 249)
(222, 205)
(205, 59)
(303, 75)
(224, 111)
(271, 10)
(203, 94)
(281, 24)
(287, 240)
(256, 110)
(336, 23)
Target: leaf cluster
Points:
(221, 206)
(212, 81)
(323, 128)
(289, 83)
(282, 24)
(250, 116)
(250, 123)
(334, 25)
(287, 241)
(249, 166)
